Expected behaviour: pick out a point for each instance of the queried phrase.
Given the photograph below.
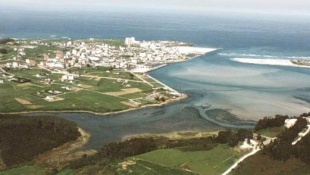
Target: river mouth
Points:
(176, 117)
(248, 91)
(217, 100)
(221, 94)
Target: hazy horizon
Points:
(297, 7)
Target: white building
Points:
(290, 122)
(15, 64)
(129, 41)
(54, 63)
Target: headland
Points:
(91, 75)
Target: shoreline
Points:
(187, 50)
(182, 97)
(271, 62)
(178, 135)
(165, 86)
(198, 51)
(60, 156)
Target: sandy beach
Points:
(194, 50)
(275, 62)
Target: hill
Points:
(22, 138)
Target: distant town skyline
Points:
(277, 6)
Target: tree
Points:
(223, 136)
(259, 137)
(131, 75)
(282, 151)
(3, 51)
(162, 99)
(6, 40)
(157, 98)
(301, 150)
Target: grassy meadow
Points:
(95, 90)
(209, 162)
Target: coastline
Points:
(186, 50)
(176, 135)
(182, 97)
(60, 156)
(198, 51)
(167, 87)
(273, 62)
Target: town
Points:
(68, 74)
(136, 56)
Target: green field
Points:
(10, 52)
(114, 42)
(28, 73)
(148, 168)
(133, 96)
(211, 162)
(271, 132)
(75, 100)
(96, 89)
(88, 93)
(34, 170)
(104, 72)
(37, 53)
(25, 170)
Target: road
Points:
(255, 149)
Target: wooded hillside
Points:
(22, 138)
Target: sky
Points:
(280, 6)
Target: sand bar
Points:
(194, 50)
(275, 62)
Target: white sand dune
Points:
(276, 62)
(194, 50)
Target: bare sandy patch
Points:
(53, 98)
(23, 101)
(98, 78)
(124, 92)
(24, 84)
(92, 77)
(127, 163)
(28, 84)
(130, 104)
(85, 86)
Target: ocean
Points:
(236, 90)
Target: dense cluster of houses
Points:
(135, 55)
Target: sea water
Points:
(213, 81)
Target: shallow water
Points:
(248, 91)
(154, 120)
(214, 80)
